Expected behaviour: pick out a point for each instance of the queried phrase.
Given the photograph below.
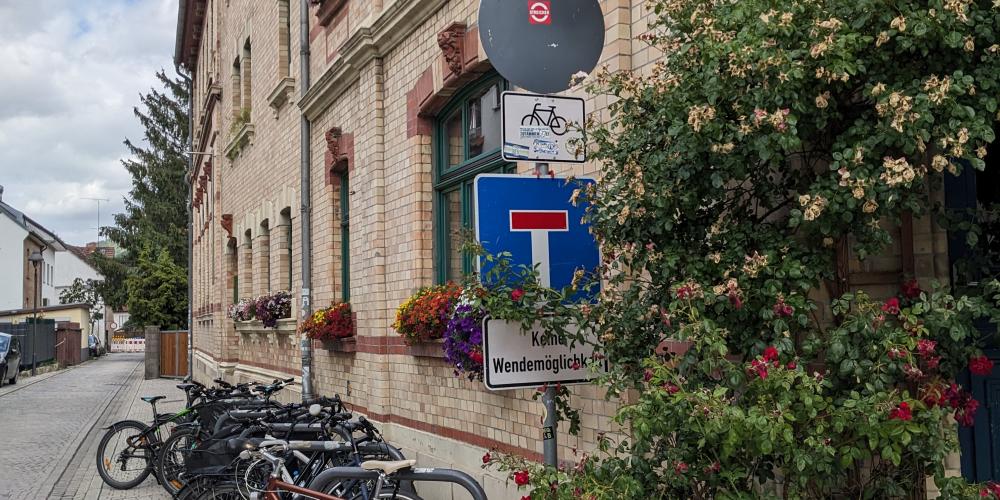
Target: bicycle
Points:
(555, 123)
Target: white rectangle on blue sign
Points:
(535, 220)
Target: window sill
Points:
(346, 345)
(242, 139)
(281, 94)
(286, 326)
(428, 349)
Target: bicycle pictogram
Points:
(554, 122)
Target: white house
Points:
(61, 264)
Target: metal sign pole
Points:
(550, 447)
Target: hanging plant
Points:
(334, 322)
(271, 308)
(425, 315)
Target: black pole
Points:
(34, 326)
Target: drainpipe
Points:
(306, 197)
(190, 214)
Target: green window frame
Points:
(345, 237)
(453, 180)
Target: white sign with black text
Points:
(514, 359)
(543, 128)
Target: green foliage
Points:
(112, 288)
(155, 212)
(772, 133)
(157, 291)
(84, 292)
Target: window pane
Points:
(484, 121)
(453, 223)
(455, 148)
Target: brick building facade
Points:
(401, 104)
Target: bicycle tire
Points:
(206, 489)
(558, 126)
(533, 121)
(105, 463)
(167, 467)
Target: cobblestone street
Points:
(52, 424)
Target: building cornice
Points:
(373, 38)
(190, 20)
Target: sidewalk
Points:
(81, 480)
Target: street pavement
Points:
(50, 426)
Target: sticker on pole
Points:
(540, 12)
(516, 359)
(543, 128)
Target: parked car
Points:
(10, 358)
(95, 346)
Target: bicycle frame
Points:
(274, 486)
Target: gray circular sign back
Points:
(539, 45)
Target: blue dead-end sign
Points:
(536, 220)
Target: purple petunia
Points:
(463, 339)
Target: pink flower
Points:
(980, 365)
(685, 292)
(791, 365)
(680, 468)
(647, 375)
(770, 353)
(575, 365)
(487, 457)
(735, 300)
(671, 388)
(901, 412)
(783, 310)
(891, 306)
(758, 367)
(516, 295)
(911, 289)
(521, 477)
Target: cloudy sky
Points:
(70, 73)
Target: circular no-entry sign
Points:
(539, 45)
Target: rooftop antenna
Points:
(98, 200)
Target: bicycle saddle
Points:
(185, 387)
(388, 467)
(152, 399)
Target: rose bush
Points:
(774, 140)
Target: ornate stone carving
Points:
(227, 223)
(333, 142)
(452, 42)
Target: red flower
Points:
(487, 457)
(521, 477)
(791, 365)
(735, 300)
(933, 362)
(783, 310)
(671, 388)
(770, 353)
(647, 375)
(476, 356)
(925, 347)
(758, 367)
(980, 366)
(911, 289)
(685, 292)
(681, 468)
(526, 497)
(891, 306)
(715, 467)
(576, 365)
(516, 294)
(901, 412)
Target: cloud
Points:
(73, 71)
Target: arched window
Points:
(466, 144)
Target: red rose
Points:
(487, 457)
(681, 468)
(901, 412)
(911, 289)
(521, 477)
(791, 365)
(891, 306)
(770, 353)
(526, 497)
(476, 356)
(925, 347)
(516, 295)
(981, 366)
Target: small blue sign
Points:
(535, 220)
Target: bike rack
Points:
(416, 474)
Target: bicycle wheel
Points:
(357, 489)
(532, 120)
(124, 456)
(170, 462)
(387, 493)
(558, 125)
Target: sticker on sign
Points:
(540, 12)
(516, 359)
(543, 128)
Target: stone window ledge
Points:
(346, 345)
(285, 326)
(281, 94)
(242, 139)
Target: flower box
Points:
(426, 349)
(349, 344)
